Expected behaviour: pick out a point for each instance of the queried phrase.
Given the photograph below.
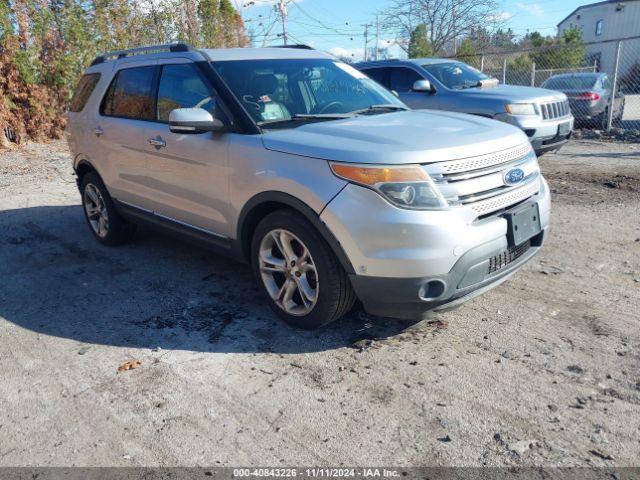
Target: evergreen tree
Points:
(419, 45)
(467, 53)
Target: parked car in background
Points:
(443, 84)
(589, 96)
(299, 164)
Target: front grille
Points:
(504, 200)
(507, 257)
(553, 110)
(478, 182)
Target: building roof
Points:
(597, 4)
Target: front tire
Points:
(106, 224)
(298, 273)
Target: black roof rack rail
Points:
(172, 47)
(299, 46)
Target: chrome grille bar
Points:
(457, 177)
(553, 110)
(478, 197)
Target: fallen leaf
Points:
(130, 365)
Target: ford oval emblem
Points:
(513, 176)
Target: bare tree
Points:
(446, 21)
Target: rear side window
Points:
(402, 79)
(85, 88)
(181, 86)
(130, 94)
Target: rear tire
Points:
(105, 223)
(298, 273)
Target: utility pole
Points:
(366, 41)
(377, 36)
(281, 7)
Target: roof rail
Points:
(172, 47)
(299, 46)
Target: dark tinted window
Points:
(402, 79)
(83, 91)
(380, 75)
(181, 86)
(129, 95)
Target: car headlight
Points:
(406, 186)
(521, 109)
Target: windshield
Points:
(456, 75)
(571, 83)
(279, 91)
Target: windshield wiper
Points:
(487, 82)
(322, 116)
(334, 116)
(308, 116)
(470, 85)
(377, 108)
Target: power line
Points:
(281, 7)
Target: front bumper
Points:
(408, 263)
(472, 275)
(543, 134)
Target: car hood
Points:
(515, 94)
(418, 136)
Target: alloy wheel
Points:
(96, 210)
(288, 272)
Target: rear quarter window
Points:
(85, 88)
(130, 94)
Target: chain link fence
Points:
(602, 80)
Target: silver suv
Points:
(315, 174)
(445, 84)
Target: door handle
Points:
(98, 131)
(157, 142)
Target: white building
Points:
(603, 23)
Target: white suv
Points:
(319, 177)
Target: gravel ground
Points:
(543, 370)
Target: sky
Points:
(338, 25)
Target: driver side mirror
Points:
(423, 86)
(194, 120)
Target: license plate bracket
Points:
(564, 129)
(523, 223)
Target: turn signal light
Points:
(374, 175)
